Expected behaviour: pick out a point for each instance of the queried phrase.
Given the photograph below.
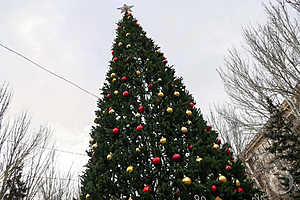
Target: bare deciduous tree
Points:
(294, 3)
(226, 121)
(266, 72)
(22, 146)
(57, 186)
(272, 73)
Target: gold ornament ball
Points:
(176, 93)
(111, 111)
(138, 73)
(163, 140)
(189, 122)
(91, 141)
(158, 51)
(95, 146)
(160, 94)
(184, 130)
(128, 46)
(130, 198)
(87, 196)
(237, 183)
(137, 114)
(222, 179)
(159, 79)
(189, 113)
(127, 34)
(198, 159)
(169, 110)
(138, 150)
(97, 120)
(229, 162)
(120, 44)
(129, 169)
(116, 92)
(218, 198)
(187, 181)
(114, 80)
(112, 74)
(109, 157)
(216, 146)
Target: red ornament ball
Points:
(228, 168)
(124, 78)
(115, 131)
(190, 147)
(150, 85)
(139, 128)
(240, 189)
(156, 160)
(119, 27)
(112, 52)
(191, 105)
(147, 189)
(141, 108)
(115, 59)
(213, 188)
(208, 128)
(218, 141)
(108, 95)
(228, 152)
(138, 25)
(125, 94)
(127, 59)
(176, 157)
(110, 108)
(165, 61)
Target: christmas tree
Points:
(150, 141)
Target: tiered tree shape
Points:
(150, 141)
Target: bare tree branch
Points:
(226, 121)
(272, 73)
(21, 146)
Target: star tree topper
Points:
(125, 8)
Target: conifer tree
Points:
(150, 141)
(283, 130)
(16, 188)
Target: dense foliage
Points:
(150, 141)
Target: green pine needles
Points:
(150, 141)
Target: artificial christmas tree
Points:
(155, 144)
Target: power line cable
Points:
(50, 72)
(53, 149)
(54, 178)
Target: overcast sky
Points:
(74, 38)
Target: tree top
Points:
(125, 8)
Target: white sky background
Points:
(74, 38)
